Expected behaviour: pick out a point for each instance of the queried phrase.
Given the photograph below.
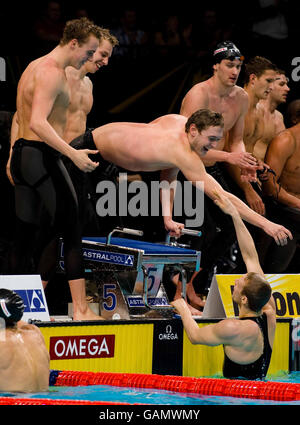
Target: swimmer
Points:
(293, 113)
(81, 87)
(80, 105)
(248, 340)
(172, 143)
(273, 119)
(24, 358)
(260, 75)
(221, 94)
(39, 176)
(283, 192)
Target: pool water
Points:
(153, 396)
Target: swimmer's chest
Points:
(254, 128)
(81, 97)
(228, 107)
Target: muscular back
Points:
(143, 147)
(24, 360)
(36, 77)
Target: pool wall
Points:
(155, 346)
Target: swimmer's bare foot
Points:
(194, 299)
(81, 309)
(88, 314)
(194, 311)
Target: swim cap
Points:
(11, 306)
(227, 50)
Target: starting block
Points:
(129, 273)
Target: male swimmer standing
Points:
(38, 173)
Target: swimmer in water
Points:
(248, 339)
(24, 358)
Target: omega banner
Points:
(286, 292)
(82, 347)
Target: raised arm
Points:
(244, 238)
(245, 242)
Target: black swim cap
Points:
(227, 50)
(11, 306)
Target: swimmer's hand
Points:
(180, 305)
(82, 161)
(242, 160)
(173, 227)
(248, 175)
(278, 232)
(223, 202)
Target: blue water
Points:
(152, 396)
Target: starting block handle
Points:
(185, 232)
(191, 232)
(124, 230)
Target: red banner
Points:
(82, 347)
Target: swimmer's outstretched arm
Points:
(193, 172)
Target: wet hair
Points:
(11, 307)
(80, 29)
(257, 66)
(204, 118)
(257, 290)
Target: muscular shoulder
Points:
(196, 98)
(283, 141)
(229, 329)
(88, 83)
(29, 329)
(48, 71)
(242, 96)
